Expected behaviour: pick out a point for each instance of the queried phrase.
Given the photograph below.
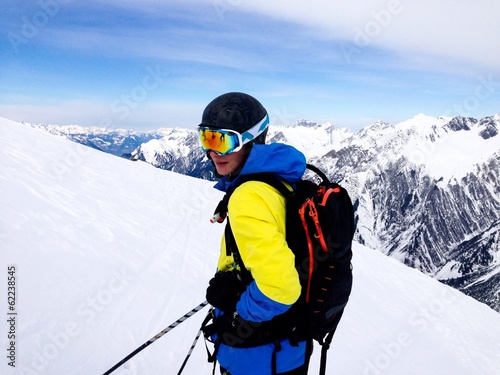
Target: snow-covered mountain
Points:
(179, 150)
(119, 142)
(426, 190)
(176, 151)
(108, 252)
(429, 195)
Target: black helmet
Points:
(239, 112)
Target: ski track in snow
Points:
(109, 252)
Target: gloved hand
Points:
(224, 291)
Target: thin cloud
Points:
(316, 59)
(458, 29)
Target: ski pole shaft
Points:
(190, 351)
(157, 336)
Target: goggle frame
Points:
(242, 139)
(223, 132)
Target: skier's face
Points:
(229, 163)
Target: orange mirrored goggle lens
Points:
(219, 140)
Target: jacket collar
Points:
(285, 161)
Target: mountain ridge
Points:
(422, 188)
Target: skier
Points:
(232, 133)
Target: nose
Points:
(213, 154)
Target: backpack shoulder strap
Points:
(319, 172)
(268, 178)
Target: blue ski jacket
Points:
(257, 214)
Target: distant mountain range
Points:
(426, 190)
(114, 141)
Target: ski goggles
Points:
(221, 141)
(227, 141)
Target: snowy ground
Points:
(108, 252)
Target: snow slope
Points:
(108, 252)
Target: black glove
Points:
(224, 291)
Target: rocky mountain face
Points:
(428, 194)
(426, 190)
(177, 151)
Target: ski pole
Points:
(190, 351)
(157, 336)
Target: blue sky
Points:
(150, 64)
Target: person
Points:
(232, 133)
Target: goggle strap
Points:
(255, 130)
